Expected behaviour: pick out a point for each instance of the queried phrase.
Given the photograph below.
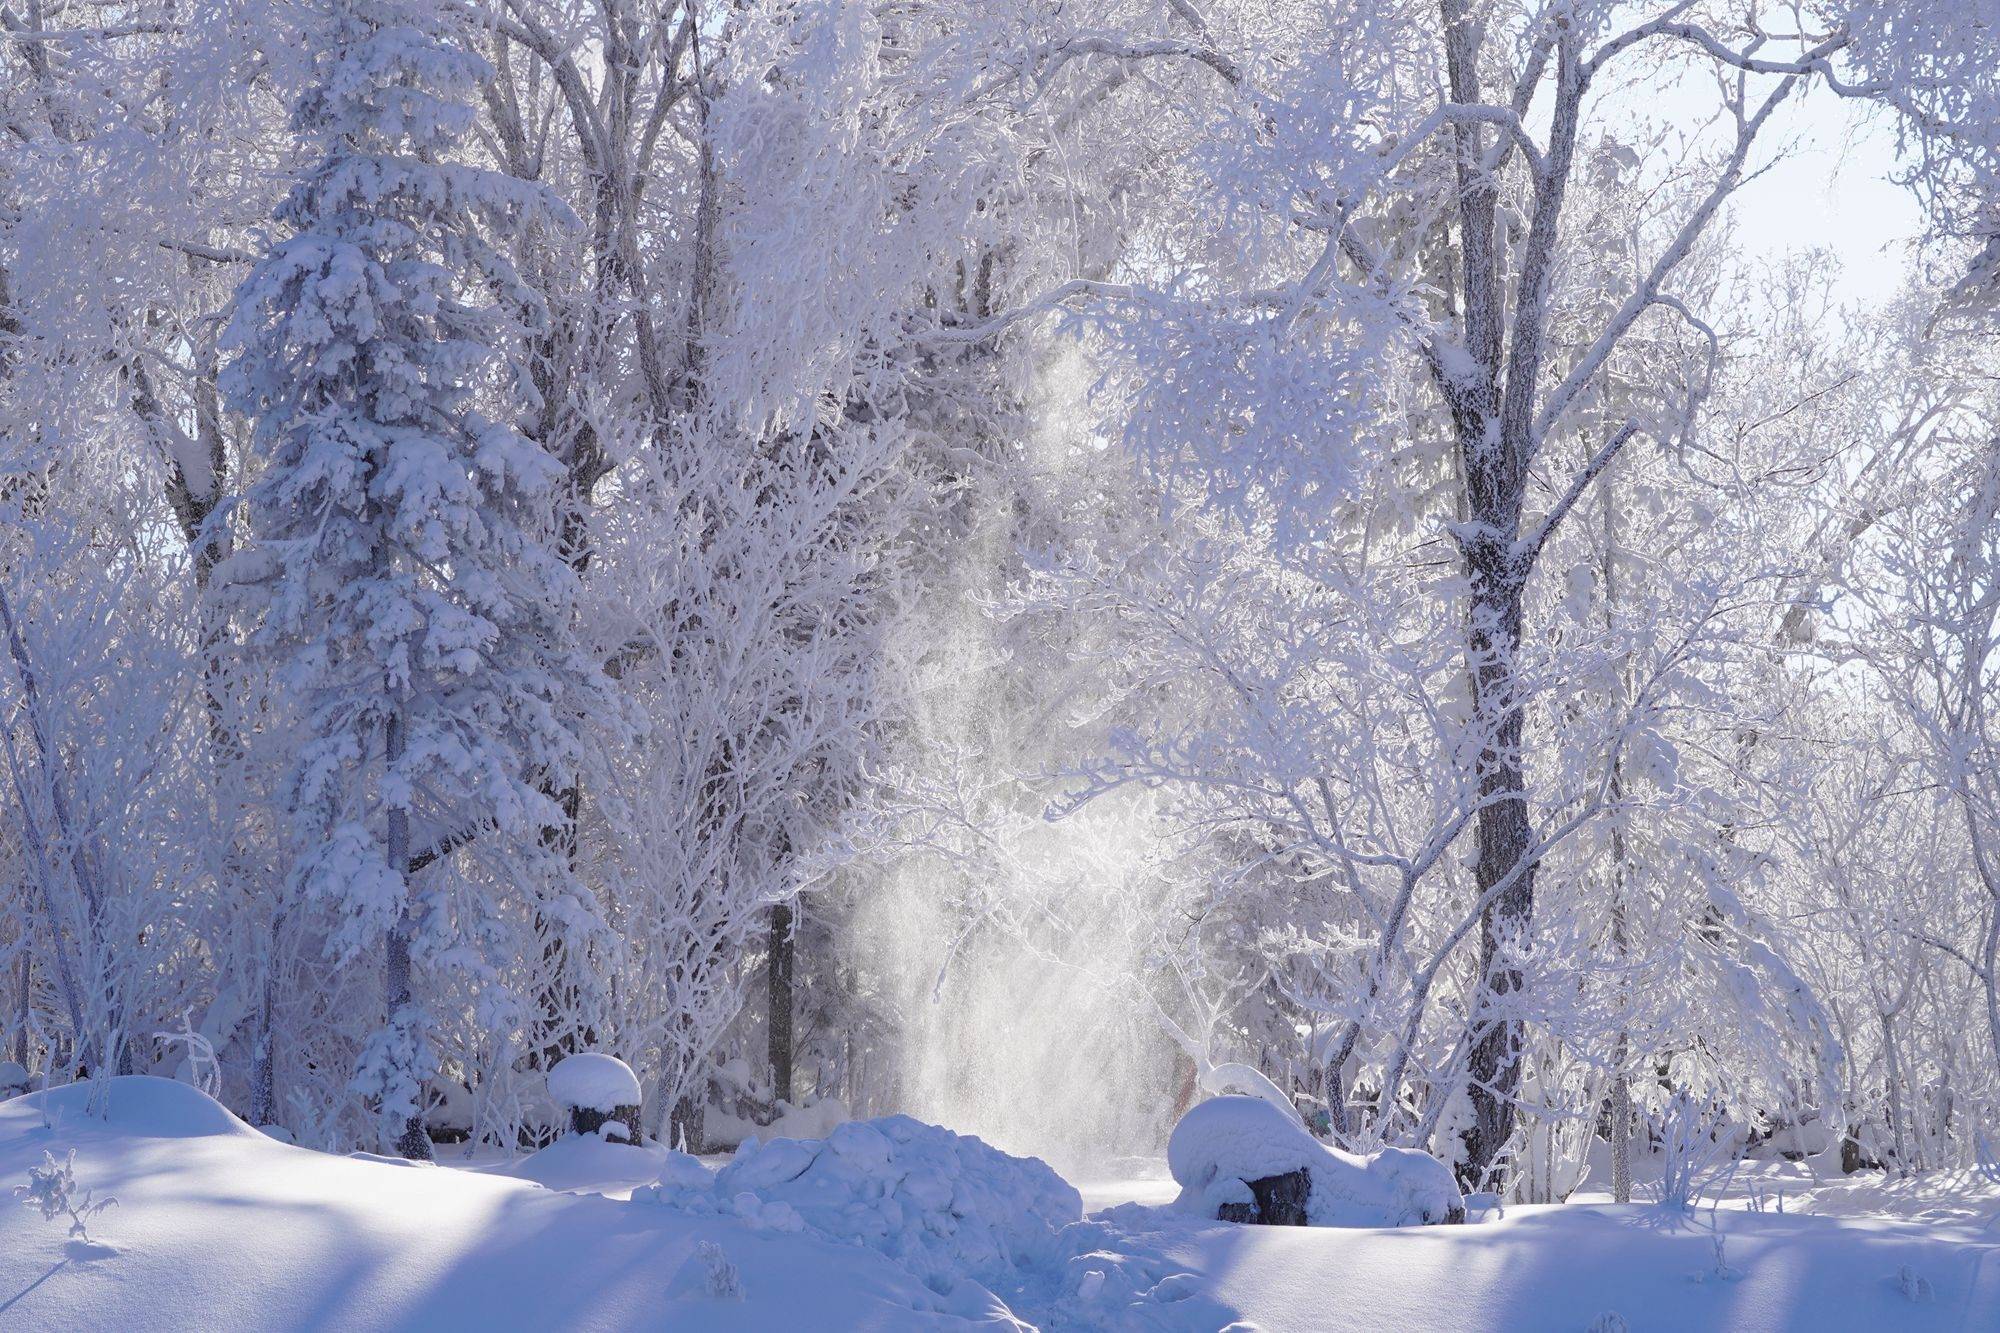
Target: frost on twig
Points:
(723, 1282)
(52, 1188)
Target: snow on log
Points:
(596, 1089)
(1239, 1158)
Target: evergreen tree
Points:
(400, 566)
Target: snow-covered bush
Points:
(1224, 1144)
(596, 1090)
(13, 1079)
(943, 1205)
(52, 1188)
(1689, 1152)
(723, 1282)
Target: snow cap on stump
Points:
(596, 1089)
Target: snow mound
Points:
(592, 1081)
(13, 1078)
(1226, 1141)
(138, 1104)
(942, 1205)
(588, 1164)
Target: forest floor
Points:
(219, 1227)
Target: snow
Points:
(813, 1118)
(1225, 1141)
(1251, 1082)
(941, 1204)
(591, 1081)
(589, 1163)
(220, 1227)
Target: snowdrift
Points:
(221, 1228)
(940, 1204)
(1224, 1143)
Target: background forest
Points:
(988, 557)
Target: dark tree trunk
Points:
(411, 1142)
(783, 946)
(557, 993)
(687, 1128)
(1506, 840)
(25, 991)
(1277, 1201)
(263, 1066)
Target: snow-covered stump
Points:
(597, 1090)
(1243, 1159)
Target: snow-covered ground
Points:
(218, 1227)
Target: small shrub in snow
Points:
(1609, 1322)
(1914, 1285)
(1718, 1269)
(52, 1188)
(723, 1282)
(1689, 1152)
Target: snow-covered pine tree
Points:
(400, 566)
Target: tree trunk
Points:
(24, 991)
(687, 1126)
(557, 993)
(411, 1141)
(783, 945)
(1506, 841)
(263, 1065)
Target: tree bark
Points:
(411, 1141)
(687, 1127)
(25, 992)
(1505, 840)
(783, 945)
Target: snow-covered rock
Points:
(13, 1079)
(592, 1081)
(943, 1205)
(1227, 1140)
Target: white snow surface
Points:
(589, 1163)
(940, 1204)
(221, 1228)
(592, 1081)
(1225, 1141)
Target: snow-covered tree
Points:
(401, 568)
